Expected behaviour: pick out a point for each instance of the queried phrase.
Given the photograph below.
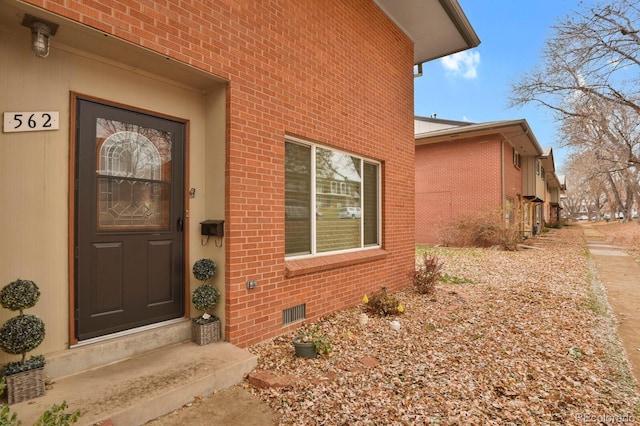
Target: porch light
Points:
(41, 32)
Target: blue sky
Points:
(475, 85)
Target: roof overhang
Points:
(552, 180)
(78, 38)
(437, 27)
(547, 160)
(516, 132)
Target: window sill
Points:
(296, 268)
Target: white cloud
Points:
(462, 64)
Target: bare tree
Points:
(587, 190)
(594, 53)
(590, 80)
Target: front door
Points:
(129, 265)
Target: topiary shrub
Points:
(23, 333)
(204, 269)
(19, 295)
(205, 297)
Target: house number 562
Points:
(30, 121)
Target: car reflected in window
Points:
(350, 213)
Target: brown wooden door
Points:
(129, 205)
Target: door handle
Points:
(180, 224)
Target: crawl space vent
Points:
(293, 314)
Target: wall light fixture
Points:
(41, 32)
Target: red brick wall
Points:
(454, 179)
(334, 71)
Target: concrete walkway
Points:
(141, 386)
(620, 275)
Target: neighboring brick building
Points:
(167, 114)
(467, 169)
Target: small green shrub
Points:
(19, 295)
(55, 415)
(204, 269)
(21, 334)
(205, 297)
(426, 274)
(383, 304)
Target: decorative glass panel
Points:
(133, 177)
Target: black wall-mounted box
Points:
(214, 228)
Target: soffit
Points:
(437, 27)
(552, 180)
(78, 38)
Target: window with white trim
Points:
(516, 158)
(332, 200)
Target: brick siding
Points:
(459, 178)
(338, 72)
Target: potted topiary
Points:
(19, 335)
(205, 328)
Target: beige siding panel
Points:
(34, 165)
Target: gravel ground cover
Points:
(522, 338)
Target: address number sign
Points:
(30, 121)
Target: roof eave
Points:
(437, 27)
(517, 132)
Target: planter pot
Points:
(26, 385)
(203, 334)
(304, 349)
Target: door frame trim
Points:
(73, 132)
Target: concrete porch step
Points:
(145, 386)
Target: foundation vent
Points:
(293, 314)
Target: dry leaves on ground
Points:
(525, 338)
(625, 235)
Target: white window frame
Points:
(312, 210)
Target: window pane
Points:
(338, 181)
(133, 176)
(370, 204)
(297, 205)
(132, 204)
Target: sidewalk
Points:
(620, 275)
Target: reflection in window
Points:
(129, 154)
(343, 214)
(297, 199)
(133, 176)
